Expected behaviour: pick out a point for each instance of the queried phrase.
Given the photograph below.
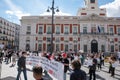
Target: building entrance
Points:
(94, 46)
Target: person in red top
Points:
(37, 73)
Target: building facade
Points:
(90, 30)
(8, 33)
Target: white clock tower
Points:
(91, 7)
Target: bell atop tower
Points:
(91, 3)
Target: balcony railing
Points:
(48, 32)
(57, 32)
(66, 33)
(95, 33)
(28, 32)
(74, 32)
(40, 33)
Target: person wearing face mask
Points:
(77, 73)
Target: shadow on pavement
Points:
(109, 73)
(9, 78)
(99, 77)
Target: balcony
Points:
(66, 33)
(40, 33)
(95, 33)
(74, 33)
(28, 32)
(48, 32)
(57, 32)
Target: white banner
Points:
(54, 68)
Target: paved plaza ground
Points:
(11, 73)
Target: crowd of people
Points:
(72, 62)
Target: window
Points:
(119, 31)
(92, 7)
(75, 39)
(49, 30)
(57, 39)
(57, 30)
(102, 30)
(40, 30)
(92, 1)
(48, 47)
(66, 30)
(66, 39)
(40, 39)
(74, 30)
(93, 29)
(103, 48)
(84, 29)
(111, 30)
(85, 48)
(28, 30)
(48, 39)
(57, 47)
(27, 47)
(75, 47)
(40, 47)
(27, 39)
(66, 47)
(112, 48)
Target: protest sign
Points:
(54, 68)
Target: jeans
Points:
(112, 71)
(92, 73)
(24, 73)
(64, 76)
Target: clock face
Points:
(92, 1)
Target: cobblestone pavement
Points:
(8, 73)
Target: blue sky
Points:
(12, 10)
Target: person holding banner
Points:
(22, 66)
(77, 73)
(37, 73)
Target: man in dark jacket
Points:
(77, 73)
(22, 66)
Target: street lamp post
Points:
(53, 12)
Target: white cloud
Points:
(15, 10)
(56, 14)
(9, 12)
(113, 8)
